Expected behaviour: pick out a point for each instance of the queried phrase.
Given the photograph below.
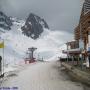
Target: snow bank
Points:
(9, 69)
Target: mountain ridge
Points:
(5, 21)
(34, 26)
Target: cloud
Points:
(59, 14)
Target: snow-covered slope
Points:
(49, 44)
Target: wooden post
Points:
(67, 52)
(72, 60)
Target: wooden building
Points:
(73, 51)
(82, 31)
(72, 48)
(82, 35)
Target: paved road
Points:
(42, 76)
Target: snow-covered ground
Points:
(49, 45)
(41, 76)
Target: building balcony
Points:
(72, 51)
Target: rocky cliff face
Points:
(34, 26)
(5, 21)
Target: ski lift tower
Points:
(31, 53)
(32, 49)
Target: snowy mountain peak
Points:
(34, 26)
(16, 44)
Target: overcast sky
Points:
(59, 14)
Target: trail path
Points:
(42, 76)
